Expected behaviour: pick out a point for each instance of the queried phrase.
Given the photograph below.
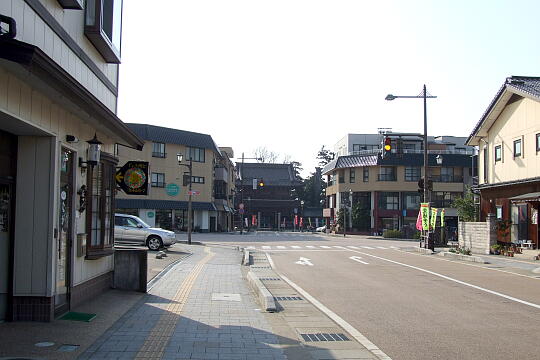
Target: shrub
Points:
(416, 235)
(392, 234)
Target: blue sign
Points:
(172, 189)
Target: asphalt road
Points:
(411, 306)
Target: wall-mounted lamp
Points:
(72, 139)
(179, 157)
(94, 153)
(439, 159)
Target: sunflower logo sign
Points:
(133, 178)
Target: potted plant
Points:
(496, 249)
(503, 229)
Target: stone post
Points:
(491, 231)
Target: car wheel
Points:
(154, 243)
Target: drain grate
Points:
(270, 279)
(261, 267)
(324, 337)
(289, 298)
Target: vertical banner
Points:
(442, 217)
(253, 220)
(301, 222)
(424, 209)
(295, 219)
(419, 220)
(433, 219)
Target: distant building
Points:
(272, 204)
(387, 188)
(166, 204)
(508, 138)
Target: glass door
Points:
(64, 240)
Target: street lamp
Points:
(180, 157)
(423, 95)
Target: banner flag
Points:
(442, 217)
(433, 217)
(419, 221)
(424, 209)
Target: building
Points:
(166, 204)
(273, 205)
(386, 189)
(508, 138)
(58, 89)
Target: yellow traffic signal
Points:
(387, 144)
(261, 183)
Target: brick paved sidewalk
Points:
(201, 309)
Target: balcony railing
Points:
(416, 151)
(447, 178)
(385, 177)
(159, 154)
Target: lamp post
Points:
(242, 189)
(179, 157)
(423, 95)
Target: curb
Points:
(475, 259)
(419, 250)
(163, 272)
(265, 298)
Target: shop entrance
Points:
(64, 240)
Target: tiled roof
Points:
(173, 136)
(350, 161)
(525, 85)
(273, 174)
(162, 204)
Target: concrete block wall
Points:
(478, 236)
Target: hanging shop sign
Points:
(132, 178)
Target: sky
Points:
(295, 75)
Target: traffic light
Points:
(261, 182)
(421, 185)
(387, 146)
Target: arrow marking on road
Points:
(304, 261)
(357, 258)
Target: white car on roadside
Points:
(131, 230)
(321, 228)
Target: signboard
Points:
(132, 178)
(194, 192)
(442, 217)
(433, 220)
(172, 189)
(424, 209)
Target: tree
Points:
(465, 206)
(361, 217)
(325, 156)
(265, 156)
(297, 167)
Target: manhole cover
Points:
(226, 297)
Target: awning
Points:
(530, 197)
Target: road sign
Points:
(241, 206)
(194, 192)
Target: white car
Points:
(131, 230)
(321, 228)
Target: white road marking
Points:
(394, 247)
(368, 247)
(326, 247)
(250, 247)
(295, 247)
(357, 258)
(340, 247)
(380, 247)
(266, 247)
(281, 247)
(455, 280)
(310, 246)
(353, 247)
(337, 319)
(304, 261)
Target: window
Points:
(158, 180)
(412, 173)
(158, 150)
(196, 154)
(485, 165)
(366, 174)
(220, 189)
(341, 176)
(389, 201)
(517, 148)
(352, 176)
(537, 142)
(444, 199)
(332, 179)
(387, 173)
(498, 153)
(411, 201)
(99, 212)
(103, 27)
(197, 179)
(447, 174)
(499, 212)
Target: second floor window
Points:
(352, 176)
(517, 148)
(197, 179)
(447, 174)
(341, 176)
(537, 142)
(158, 180)
(196, 154)
(158, 150)
(412, 173)
(498, 153)
(387, 173)
(365, 174)
(411, 201)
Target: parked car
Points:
(321, 228)
(131, 230)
